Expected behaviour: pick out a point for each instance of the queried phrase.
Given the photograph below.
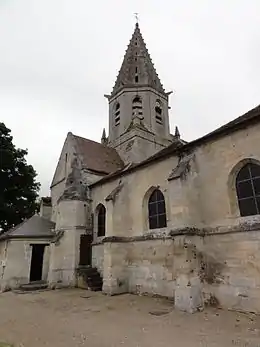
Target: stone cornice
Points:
(186, 231)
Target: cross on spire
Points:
(136, 17)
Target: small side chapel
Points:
(146, 212)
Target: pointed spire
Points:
(137, 68)
(177, 133)
(104, 137)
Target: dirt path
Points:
(71, 318)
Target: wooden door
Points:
(85, 253)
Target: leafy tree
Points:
(18, 187)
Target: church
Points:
(146, 212)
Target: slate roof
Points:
(250, 117)
(34, 227)
(98, 157)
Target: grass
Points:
(3, 344)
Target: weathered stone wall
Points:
(71, 220)
(230, 268)
(150, 267)
(200, 194)
(115, 276)
(155, 265)
(219, 269)
(17, 264)
(64, 259)
(127, 209)
(217, 165)
(98, 257)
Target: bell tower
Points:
(138, 106)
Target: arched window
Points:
(137, 106)
(117, 113)
(156, 210)
(101, 220)
(248, 189)
(158, 112)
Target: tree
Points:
(18, 186)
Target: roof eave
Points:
(14, 237)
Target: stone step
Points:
(96, 288)
(92, 278)
(88, 269)
(95, 284)
(37, 285)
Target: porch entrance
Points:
(85, 250)
(37, 262)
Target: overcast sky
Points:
(59, 57)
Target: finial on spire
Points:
(136, 18)
(177, 133)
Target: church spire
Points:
(177, 133)
(137, 69)
(104, 137)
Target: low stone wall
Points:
(150, 267)
(232, 270)
(196, 268)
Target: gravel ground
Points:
(77, 317)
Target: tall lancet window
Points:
(136, 75)
(158, 112)
(137, 106)
(117, 113)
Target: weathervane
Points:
(136, 17)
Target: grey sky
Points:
(59, 57)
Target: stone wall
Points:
(98, 257)
(155, 265)
(217, 163)
(219, 261)
(115, 274)
(72, 218)
(150, 267)
(215, 269)
(127, 207)
(231, 270)
(64, 258)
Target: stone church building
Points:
(146, 212)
